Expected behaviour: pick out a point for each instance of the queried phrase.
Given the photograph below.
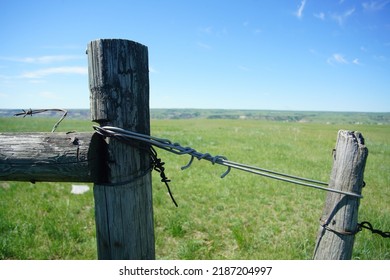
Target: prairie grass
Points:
(242, 216)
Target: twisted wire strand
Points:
(176, 148)
(367, 225)
(31, 112)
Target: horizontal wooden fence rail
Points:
(53, 157)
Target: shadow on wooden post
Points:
(340, 215)
(119, 87)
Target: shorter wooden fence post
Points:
(339, 220)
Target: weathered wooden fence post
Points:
(119, 87)
(340, 215)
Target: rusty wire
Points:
(31, 112)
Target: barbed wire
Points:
(360, 226)
(367, 225)
(176, 148)
(31, 112)
(158, 165)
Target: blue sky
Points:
(246, 54)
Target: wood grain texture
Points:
(119, 86)
(51, 157)
(340, 214)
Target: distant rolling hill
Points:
(269, 115)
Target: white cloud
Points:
(320, 16)
(340, 19)
(349, 12)
(374, 6)
(356, 61)
(55, 70)
(337, 58)
(301, 7)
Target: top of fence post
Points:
(119, 87)
(119, 83)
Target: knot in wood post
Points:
(119, 87)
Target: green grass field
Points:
(242, 216)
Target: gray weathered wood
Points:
(340, 214)
(119, 86)
(51, 157)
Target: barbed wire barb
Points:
(367, 225)
(31, 112)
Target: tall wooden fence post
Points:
(119, 87)
(340, 215)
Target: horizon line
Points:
(230, 109)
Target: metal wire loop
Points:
(188, 164)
